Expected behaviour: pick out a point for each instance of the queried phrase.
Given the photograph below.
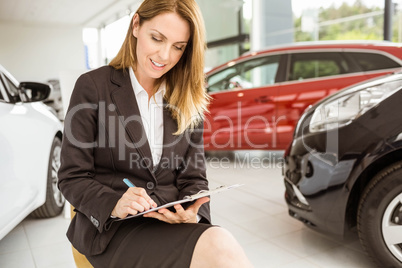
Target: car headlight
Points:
(340, 111)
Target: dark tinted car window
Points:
(249, 74)
(371, 61)
(312, 65)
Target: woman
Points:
(141, 118)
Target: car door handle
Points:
(263, 99)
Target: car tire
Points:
(380, 209)
(54, 203)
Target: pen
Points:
(128, 182)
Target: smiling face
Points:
(161, 42)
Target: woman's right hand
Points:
(133, 201)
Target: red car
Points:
(258, 98)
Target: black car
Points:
(344, 167)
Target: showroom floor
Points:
(255, 213)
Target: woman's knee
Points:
(217, 247)
(218, 239)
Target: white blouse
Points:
(152, 116)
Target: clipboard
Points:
(186, 199)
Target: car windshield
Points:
(9, 90)
(12, 88)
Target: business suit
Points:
(104, 142)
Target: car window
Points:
(249, 74)
(320, 64)
(373, 61)
(218, 81)
(259, 72)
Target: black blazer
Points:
(104, 141)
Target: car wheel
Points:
(54, 203)
(379, 219)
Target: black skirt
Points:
(146, 242)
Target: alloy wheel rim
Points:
(57, 195)
(392, 227)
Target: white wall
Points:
(40, 52)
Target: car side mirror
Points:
(32, 91)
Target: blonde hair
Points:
(185, 83)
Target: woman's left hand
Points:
(180, 216)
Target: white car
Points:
(30, 142)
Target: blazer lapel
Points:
(129, 114)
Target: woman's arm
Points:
(77, 178)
